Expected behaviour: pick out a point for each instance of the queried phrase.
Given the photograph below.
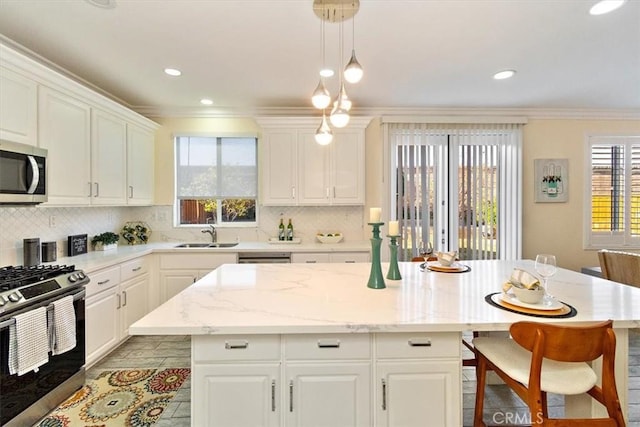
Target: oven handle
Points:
(11, 321)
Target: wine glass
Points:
(546, 267)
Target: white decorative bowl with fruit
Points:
(329, 237)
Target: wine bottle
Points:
(289, 230)
(281, 230)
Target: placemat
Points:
(565, 312)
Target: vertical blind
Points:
(216, 167)
(458, 187)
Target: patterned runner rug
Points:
(131, 398)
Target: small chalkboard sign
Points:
(77, 245)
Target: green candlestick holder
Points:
(376, 280)
(394, 271)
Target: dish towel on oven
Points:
(28, 341)
(62, 326)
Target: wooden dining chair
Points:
(543, 358)
(622, 267)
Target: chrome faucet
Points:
(213, 232)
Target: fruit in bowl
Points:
(329, 237)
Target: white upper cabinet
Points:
(108, 159)
(65, 131)
(140, 165)
(298, 171)
(18, 108)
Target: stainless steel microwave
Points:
(23, 174)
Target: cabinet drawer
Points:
(418, 345)
(327, 346)
(197, 261)
(235, 347)
(350, 257)
(103, 279)
(310, 258)
(134, 268)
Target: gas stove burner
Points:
(12, 277)
(22, 286)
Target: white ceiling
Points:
(250, 55)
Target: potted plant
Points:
(105, 241)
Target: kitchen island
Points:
(297, 344)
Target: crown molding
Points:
(529, 113)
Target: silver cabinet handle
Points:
(311, 261)
(119, 301)
(329, 343)
(384, 395)
(97, 189)
(420, 342)
(327, 192)
(237, 344)
(195, 279)
(104, 282)
(291, 396)
(136, 269)
(131, 191)
(349, 261)
(293, 192)
(124, 294)
(273, 395)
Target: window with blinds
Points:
(216, 180)
(457, 187)
(614, 192)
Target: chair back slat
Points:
(564, 343)
(621, 267)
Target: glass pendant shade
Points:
(339, 116)
(321, 97)
(324, 136)
(353, 72)
(343, 99)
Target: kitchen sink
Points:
(206, 245)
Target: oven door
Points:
(27, 398)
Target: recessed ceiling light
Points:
(501, 75)
(605, 6)
(172, 72)
(327, 72)
(206, 101)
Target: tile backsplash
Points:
(56, 223)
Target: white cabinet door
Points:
(424, 394)
(140, 166)
(347, 168)
(328, 394)
(172, 282)
(65, 131)
(236, 395)
(309, 258)
(349, 257)
(134, 301)
(108, 158)
(18, 108)
(102, 324)
(279, 166)
(313, 170)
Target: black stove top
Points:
(12, 277)
(23, 286)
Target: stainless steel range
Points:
(24, 399)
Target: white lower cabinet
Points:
(328, 394)
(116, 297)
(327, 380)
(321, 257)
(179, 271)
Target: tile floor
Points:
(174, 351)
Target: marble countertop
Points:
(95, 260)
(334, 298)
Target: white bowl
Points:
(446, 258)
(529, 296)
(334, 238)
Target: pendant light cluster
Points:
(335, 11)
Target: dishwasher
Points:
(264, 257)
